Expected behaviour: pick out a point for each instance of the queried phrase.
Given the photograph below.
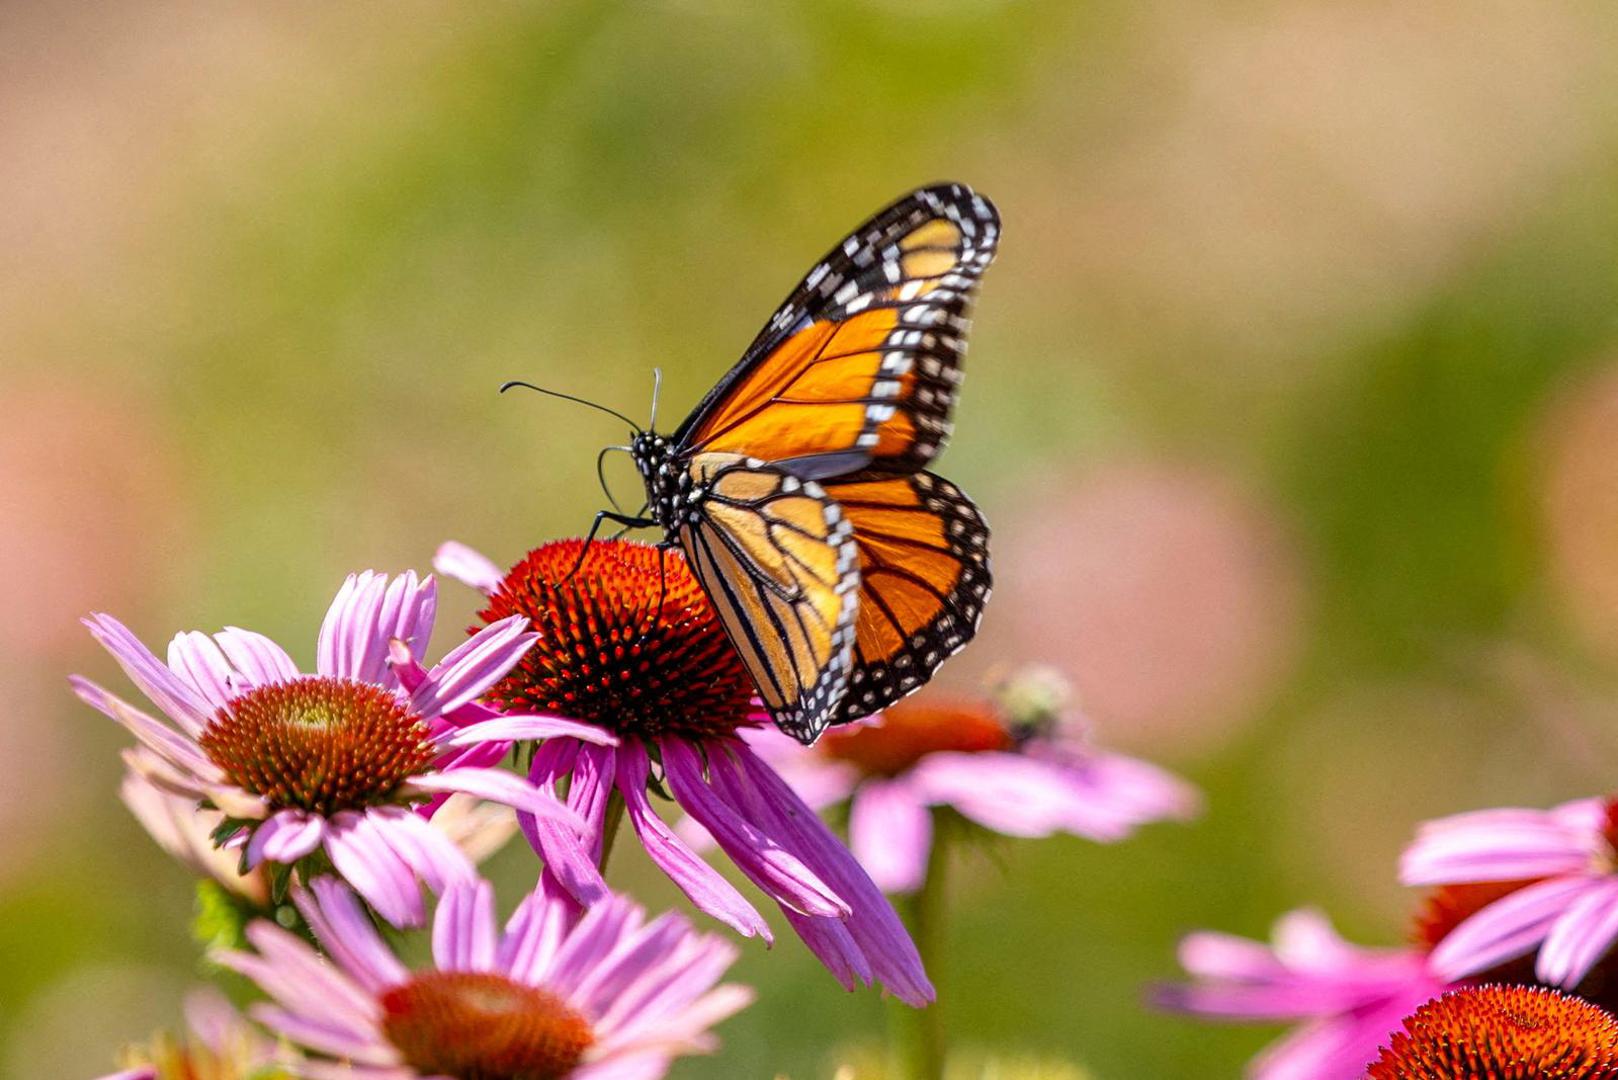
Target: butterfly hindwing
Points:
(924, 578)
(778, 559)
(861, 366)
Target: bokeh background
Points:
(1293, 399)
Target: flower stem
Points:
(609, 826)
(918, 1051)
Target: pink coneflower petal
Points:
(770, 866)
(428, 851)
(890, 831)
(155, 736)
(409, 610)
(256, 657)
(1112, 795)
(514, 728)
(335, 915)
(873, 924)
(500, 786)
(358, 1048)
(456, 560)
(701, 883)
(464, 932)
(376, 871)
(1209, 954)
(1507, 852)
(1008, 793)
(574, 866)
(350, 625)
(369, 612)
(171, 694)
(1348, 999)
(533, 934)
(472, 667)
(606, 994)
(197, 658)
(1581, 937)
(285, 837)
(1506, 929)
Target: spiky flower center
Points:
(629, 642)
(482, 1026)
(1503, 1033)
(319, 744)
(912, 729)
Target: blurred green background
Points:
(1293, 399)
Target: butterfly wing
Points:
(860, 368)
(778, 560)
(924, 578)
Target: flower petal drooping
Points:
(1345, 999)
(629, 643)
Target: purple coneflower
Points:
(1018, 772)
(1567, 908)
(556, 996)
(335, 761)
(629, 643)
(1348, 999)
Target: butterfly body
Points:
(843, 570)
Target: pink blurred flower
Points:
(1029, 779)
(219, 1045)
(1347, 1000)
(1170, 592)
(1569, 912)
(630, 643)
(335, 760)
(602, 996)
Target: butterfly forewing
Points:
(778, 558)
(860, 368)
(924, 578)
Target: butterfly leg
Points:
(595, 526)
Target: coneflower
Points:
(629, 643)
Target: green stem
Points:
(919, 1043)
(609, 826)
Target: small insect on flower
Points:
(332, 765)
(1568, 912)
(1017, 766)
(1502, 1033)
(557, 996)
(629, 643)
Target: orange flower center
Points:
(629, 642)
(911, 730)
(481, 1026)
(1503, 1033)
(319, 744)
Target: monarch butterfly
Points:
(844, 572)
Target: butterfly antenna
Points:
(569, 397)
(657, 384)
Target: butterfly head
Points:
(670, 495)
